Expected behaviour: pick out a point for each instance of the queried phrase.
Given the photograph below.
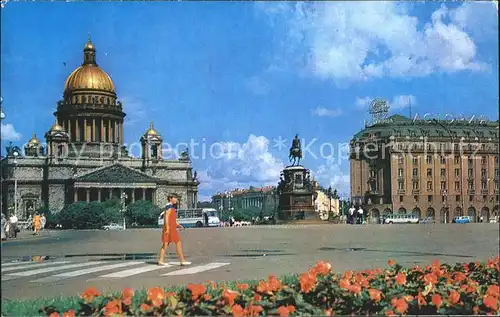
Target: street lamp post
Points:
(15, 182)
(124, 197)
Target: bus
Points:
(401, 218)
(197, 217)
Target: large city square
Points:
(250, 158)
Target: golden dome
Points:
(56, 128)
(34, 140)
(89, 76)
(151, 130)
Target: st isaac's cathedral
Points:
(85, 159)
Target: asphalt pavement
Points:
(57, 263)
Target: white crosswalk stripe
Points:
(67, 275)
(17, 263)
(196, 269)
(67, 270)
(12, 276)
(32, 265)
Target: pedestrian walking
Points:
(361, 215)
(169, 232)
(351, 215)
(43, 221)
(4, 221)
(13, 226)
(36, 223)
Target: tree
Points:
(93, 215)
(143, 213)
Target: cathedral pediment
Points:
(115, 173)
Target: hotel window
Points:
(497, 173)
(470, 160)
(483, 160)
(400, 172)
(429, 186)
(415, 172)
(457, 159)
(429, 198)
(429, 172)
(471, 185)
(443, 172)
(400, 199)
(443, 160)
(415, 160)
(457, 186)
(471, 198)
(400, 159)
(401, 185)
(457, 198)
(415, 185)
(483, 185)
(483, 172)
(457, 172)
(443, 186)
(415, 198)
(496, 186)
(470, 172)
(429, 159)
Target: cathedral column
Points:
(98, 191)
(133, 195)
(75, 195)
(153, 196)
(121, 132)
(71, 136)
(144, 194)
(94, 134)
(85, 131)
(109, 131)
(102, 130)
(88, 194)
(110, 193)
(195, 199)
(77, 125)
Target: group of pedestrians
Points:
(356, 215)
(10, 227)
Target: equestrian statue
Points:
(295, 151)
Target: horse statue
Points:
(295, 151)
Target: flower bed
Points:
(468, 288)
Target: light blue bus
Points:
(198, 217)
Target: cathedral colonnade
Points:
(96, 130)
(103, 193)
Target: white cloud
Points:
(330, 174)
(325, 112)
(354, 41)
(9, 133)
(398, 102)
(241, 165)
(135, 110)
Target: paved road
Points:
(112, 260)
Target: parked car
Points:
(428, 220)
(493, 220)
(461, 219)
(113, 226)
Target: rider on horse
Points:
(295, 151)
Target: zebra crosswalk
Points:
(46, 272)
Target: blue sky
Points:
(242, 75)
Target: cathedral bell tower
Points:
(57, 142)
(151, 143)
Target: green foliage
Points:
(93, 215)
(142, 213)
(437, 289)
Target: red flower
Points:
(229, 296)
(253, 310)
(436, 300)
(145, 307)
(257, 298)
(344, 284)
(493, 290)
(491, 302)
(401, 279)
(307, 282)
(127, 295)
(355, 288)
(430, 278)
(284, 311)
(238, 311)
(389, 313)
(242, 287)
(69, 313)
(113, 307)
(421, 300)
(54, 314)
(375, 295)
(89, 294)
(400, 305)
(156, 295)
(196, 290)
(391, 262)
(453, 297)
(207, 297)
(322, 268)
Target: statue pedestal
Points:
(296, 199)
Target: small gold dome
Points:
(89, 76)
(34, 140)
(151, 130)
(56, 128)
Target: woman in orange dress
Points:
(169, 232)
(37, 223)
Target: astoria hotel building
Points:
(433, 168)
